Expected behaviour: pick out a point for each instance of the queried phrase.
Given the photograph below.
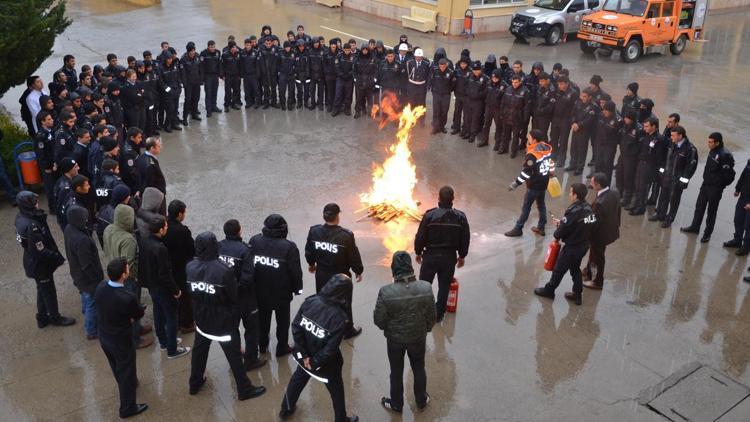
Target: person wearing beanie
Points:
(476, 91)
(717, 175)
(490, 64)
(442, 82)
(493, 110)
(210, 60)
(459, 92)
(625, 175)
(277, 279)
(607, 138)
(646, 109)
(330, 73)
(41, 258)
(286, 61)
(441, 245)
(192, 77)
(302, 73)
(331, 249)
(238, 256)
(405, 311)
(631, 101)
(316, 54)
(268, 64)
(214, 293)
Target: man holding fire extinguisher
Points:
(441, 245)
(573, 229)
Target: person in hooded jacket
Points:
(179, 242)
(318, 329)
(85, 267)
(302, 73)
(278, 277)
(490, 64)
(120, 241)
(286, 63)
(213, 288)
(41, 258)
(365, 73)
(646, 110)
(120, 194)
(405, 311)
(331, 249)
(235, 254)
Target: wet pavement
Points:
(506, 355)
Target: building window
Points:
(496, 2)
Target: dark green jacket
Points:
(405, 310)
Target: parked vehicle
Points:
(550, 19)
(635, 27)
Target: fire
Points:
(392, 193)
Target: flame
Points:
(393, 183)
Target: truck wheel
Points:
(678, 46)
(586, 48)
(553, 35)
(632, 51)
(521, 39)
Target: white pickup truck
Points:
(550, 19)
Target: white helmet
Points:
(418, 53)
(403, 47)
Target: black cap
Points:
(477, 65)
(300, 42)
(557, 66)
(610, 106)
(648, 102)
(331, 210)
(66, 164)
(633, 87)
(190, 46)
(632, 115)
(498, 73)
(113, 86)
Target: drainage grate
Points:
(695, 393)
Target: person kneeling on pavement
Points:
(318, 329)
(574, 230)
(405, 311)
(213, 289)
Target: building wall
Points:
(487, 19)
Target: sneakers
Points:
(421, 406)
(514, 233)
(388, 404)
(181, 351)
(543, 292)
(163, 347)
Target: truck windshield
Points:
(629, 7)
(552, 4)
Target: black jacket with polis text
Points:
(213, 290)
(236, 254)
(334, 250)
(575, 227)
(276, 262)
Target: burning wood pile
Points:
(388, 212)
(391, 196)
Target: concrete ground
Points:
(506, 355)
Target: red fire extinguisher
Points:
(553, 250)
(452, 296)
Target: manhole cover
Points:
(695, 393)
